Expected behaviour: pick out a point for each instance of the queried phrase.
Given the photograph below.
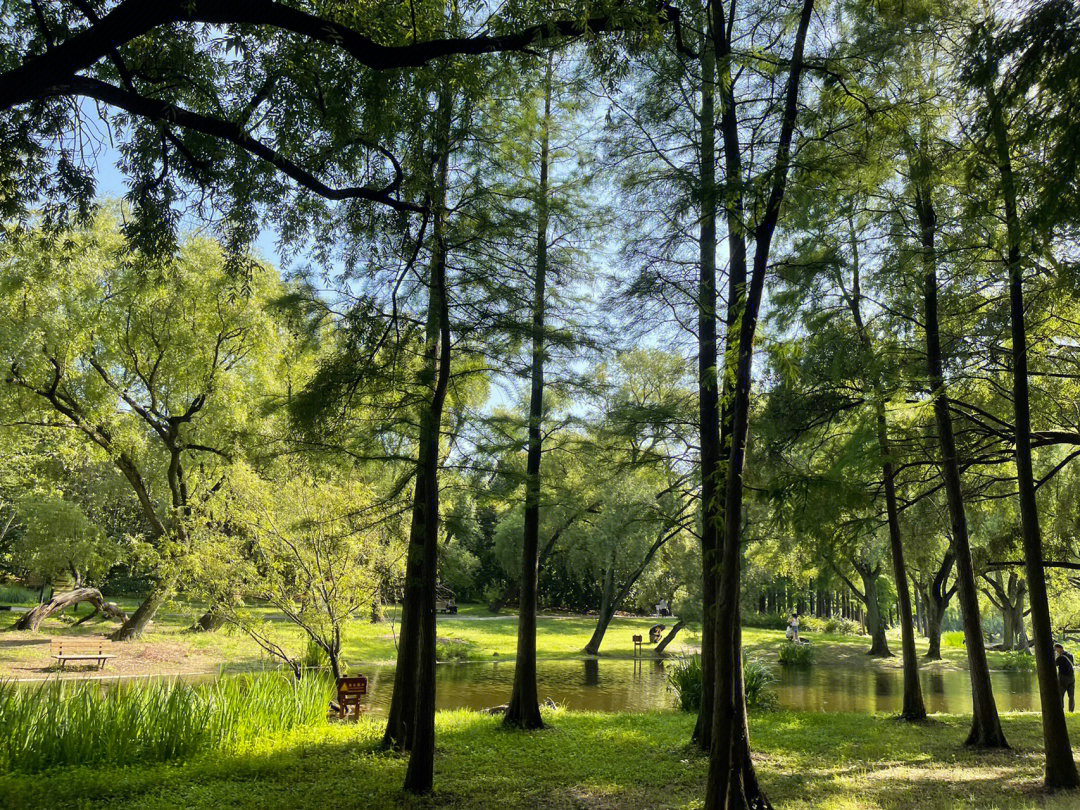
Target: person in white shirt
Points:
(793, 627)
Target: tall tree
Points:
(732, 781)
(523, 710)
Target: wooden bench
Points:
(349, 694)
(82, 649)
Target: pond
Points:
(619, 685)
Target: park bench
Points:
(350, 690)
(82, 649)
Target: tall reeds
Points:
(83, 723)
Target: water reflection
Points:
(641, 685)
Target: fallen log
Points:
(32, 619)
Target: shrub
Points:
(765, 621)
(684, 679)
(811, 624)
(1018, 661)
(799, 655)
(454, 649)
(17, 595)
(953, 639)
(315, 657)
(758, 679)
(842, 627)
(81, 723)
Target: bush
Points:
(81, 723)
(798, 655)
(454, 649)
(1018, 661)
(684, 679)
(18, 595)
(315, 657)
(842, 627)
(758, 679)
(765, 621)
(953, 639)
(811, 624)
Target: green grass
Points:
(625, 761)
(474, 634)
(85, 723)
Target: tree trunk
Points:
(985, 725)
(674, 631)
(606, 612)
(875, 624)
(412, 725)
(935, 599)
(524, 708)
(732, 782)
(211, 621)
(32, 619)
(913, 708)
(137, 623)
(1060, 766)
(709, 429)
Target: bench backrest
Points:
(81, 646)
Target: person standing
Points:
(793, 627)
(1066, 674)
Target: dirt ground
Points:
(27, 656)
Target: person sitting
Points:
(655, 632)
(662, 608)
(1066, 675)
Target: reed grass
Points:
(80, 723)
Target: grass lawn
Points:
(473, 634)
(167, 649)
(625, 761)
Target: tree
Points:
(154, 365)
(58, 539)
(317, 550)
(732, 782)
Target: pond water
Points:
(634, 686)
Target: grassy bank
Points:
(625, 761)
(475, 634)
(167, 647)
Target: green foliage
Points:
(314, 657)
(796, 655)
(842, 627)
(455, 649)
(1018, 661)
(758, 679)
(69, 723)
(954, 638)
(59, 540)
(17, 595)
(811, 624)
(684, 679)
(765, 621)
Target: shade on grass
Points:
(625, 761)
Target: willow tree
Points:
(154, 365)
